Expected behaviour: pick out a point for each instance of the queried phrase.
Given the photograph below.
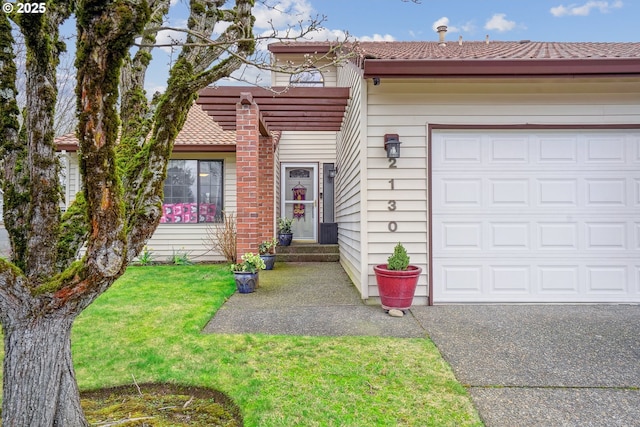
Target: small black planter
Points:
(269, 261)
(284, 239)
(246, 282)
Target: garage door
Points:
(536, 216)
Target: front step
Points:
(308, 252)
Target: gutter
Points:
(593, 67)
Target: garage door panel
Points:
(456, 192)
(557, 150)
(462, 150)
(509, 278)
(557, 235)
(552, 192)
(606, 235)
(509, 192)
(511, 150)
(605, 192)
(605, 150)
(563, 279)
(509, 235)
(461, 279)
(461, 235)
(546, 217)
(607, 279)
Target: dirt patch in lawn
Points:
(159, 405)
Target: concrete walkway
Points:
(524, 365)
(316, 299)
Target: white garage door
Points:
(536, 216)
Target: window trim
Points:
(218, 213)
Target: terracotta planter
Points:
(246, 282)
(397, 287)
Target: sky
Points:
(416, 20)
(407, 20)
(506, 20)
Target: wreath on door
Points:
(299, 193)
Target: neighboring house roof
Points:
(199, 133)
(482, 58)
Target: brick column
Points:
(266, 177)
(247, 157)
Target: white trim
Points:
(364, 177)
(314, 202)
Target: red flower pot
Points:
(397, 287)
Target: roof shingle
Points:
(199, 130)
(497, 50)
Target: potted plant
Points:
(246, 272)
(397, 280)
(284, 231)
(267, 251)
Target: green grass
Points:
(148, 326)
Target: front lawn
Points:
(147, 329)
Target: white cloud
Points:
(444, 21)
(468, 27)
(282, 14)
(499, 23)
(585, 9)
(376, 38)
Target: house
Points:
(509, 170)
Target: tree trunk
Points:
(39, 381)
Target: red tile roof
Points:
(201, 129)
(482, 58)
(199, 133)
(497, 50)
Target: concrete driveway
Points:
(543, 365)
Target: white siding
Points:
(350, 184)
(325, 66)
(407, 107)
(183, 237)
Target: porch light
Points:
(333, 172)
(392, 145)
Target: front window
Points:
(193, 192)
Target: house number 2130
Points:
(391, 204)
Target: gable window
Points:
(311, 77)
(193, 192)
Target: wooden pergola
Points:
(292, 108)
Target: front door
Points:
(299, 198)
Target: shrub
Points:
(399, 260)
(284, 225)
(251, 263)
(222, 237)
(268, 247)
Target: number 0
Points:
(393, 226)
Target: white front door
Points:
(299, 198)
